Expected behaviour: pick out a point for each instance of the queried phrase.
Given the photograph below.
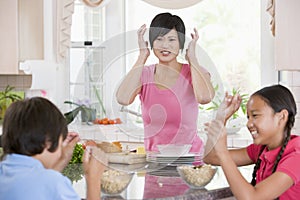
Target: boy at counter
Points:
(275, 151)
(36, 146)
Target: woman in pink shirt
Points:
(170, 91)
(275, 152)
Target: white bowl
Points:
(232, 130)
(196, 177)
(114, 182)
(174, 149)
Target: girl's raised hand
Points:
(143, 45)
(217, 136)
(228, 107)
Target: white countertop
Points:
(136, 135)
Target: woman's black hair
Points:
(278, 98)
(30, 124)
(163, 23)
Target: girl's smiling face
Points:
(264, 124)
(166, 47)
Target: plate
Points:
(175, 156)
(174, 149)
(175, 160)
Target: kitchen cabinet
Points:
(31, 30)
(287, 31)
(9, 37)
(21, 36)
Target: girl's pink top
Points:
(169, 115)
(288, 164)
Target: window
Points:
(229, 33)
(85, 59)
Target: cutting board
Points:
(126, 158)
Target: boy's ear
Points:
(47, 145)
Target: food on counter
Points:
(107, 121)
(114, 182)
(118, 144)
(196, 176)
(77, 154)
(108, 147)
(74, 172)
(140, 150)
(89, 143)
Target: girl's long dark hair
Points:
(278, 98)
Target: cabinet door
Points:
(31, 30)
(9, 37)
(287, 35)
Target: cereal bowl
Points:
(196, 177)
(114, 182)
(174, 149)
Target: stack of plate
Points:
(174, 160)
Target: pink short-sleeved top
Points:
(169, 115)
(288, 164)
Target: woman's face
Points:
(166, 47)
(263, 123)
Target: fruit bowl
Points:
(196, 177)
(114, 182)
(174, 149)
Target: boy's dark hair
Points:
(278, 98)
(30, 124)
(163, 23)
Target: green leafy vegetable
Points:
(74, 170)
(77, 154)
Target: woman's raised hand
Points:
(143, 45)
(191, 50)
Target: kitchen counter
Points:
(164, 184)
(167, 184)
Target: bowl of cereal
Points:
(114, 182)
(197, 177)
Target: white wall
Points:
(114, 62)
(268, 73)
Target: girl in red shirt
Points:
(275, 152)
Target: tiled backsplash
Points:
(291, 79)
(20, 82)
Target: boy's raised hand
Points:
(68, 146)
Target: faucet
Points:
(124, 109)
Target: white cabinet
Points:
(9, 37)
(287, 35)
(21, 35)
